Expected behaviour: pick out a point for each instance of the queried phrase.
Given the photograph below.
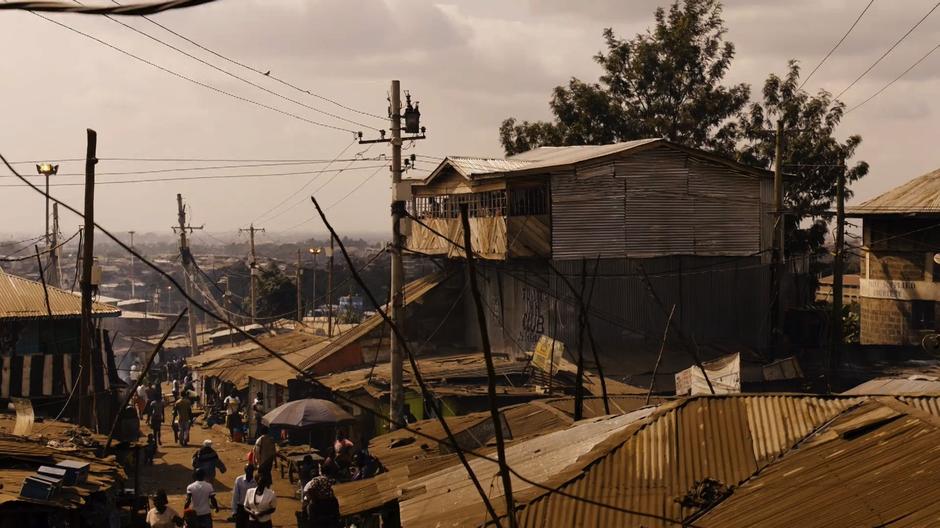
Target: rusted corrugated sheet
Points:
(587, 213)
(920, 195)
(25, 299)
(878, 472)
(727, 438)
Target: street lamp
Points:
(313, 302)
(47, 169)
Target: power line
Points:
(194, 81)
(896, 79)
(834, 48)
(228, 73)
(354, 189)
(267, 74)
(128, 10)
(201, 168)
(304, 186)
(885, 54)
(207, 177)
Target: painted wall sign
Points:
(901, 290)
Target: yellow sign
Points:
(547, 355)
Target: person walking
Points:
(201, 496)
(156, 419)
(206, 459)
(243, 483)
(320, 508)
(257, 409)
(264, 452)
(183, 408)
(162, 515)
(260, 503)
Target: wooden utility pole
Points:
(300, 308)
(54, 272)
(399, 196)
(186, 259)
(133, 291)
(490, 369)
(253, 267)
(778, 255)
(834, 358)
(87, 332)
(329, 293)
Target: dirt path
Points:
(172, 471)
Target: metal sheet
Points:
(22, 298)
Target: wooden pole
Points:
(329, 294)
(659, 358)
(490, 369)
(143, 372)
(396, 307)
(88, 251)
(300, 307)
(778, 246)
(579, 379)
(835, 333)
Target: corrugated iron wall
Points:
(719, 301)
(656, 203)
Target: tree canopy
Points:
(668, 82)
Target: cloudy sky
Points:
(470, 64)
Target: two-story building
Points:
(900, 276)
(697, 225)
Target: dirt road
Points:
(172, 471)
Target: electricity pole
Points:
(133, 295)
(253, 265)
(777, 268)
(329, 293)
(399, 195)
(87, 332)
(186, 257)
(300, 309)
(835, 332)
(54, 272)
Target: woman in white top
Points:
(260, 503)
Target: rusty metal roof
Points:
(920, 195)
(897, 386)
(20, 458)
(872, 466)
(22, 298)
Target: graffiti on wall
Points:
(534, 304)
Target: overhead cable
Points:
(889, 50)
(896, 79)
(194, 81)
(150, 8)
(834, 48)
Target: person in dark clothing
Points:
(320, 507)
(206, 459)
(366, 465)
(155, 407)
(305, 470)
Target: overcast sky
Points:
(470, 64)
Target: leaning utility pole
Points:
(835, 328)
(778, 256)
(87, 332)
(399, 195)
(186, 258)
(253, 268)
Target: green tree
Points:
(277, 294)
(666, 82)
(813, 158)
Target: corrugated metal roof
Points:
(727, 438)
(877, 472)
(920, 195)
(412, 291)
(22, 298)
(897, 386)
(468, 166)
(557, 156)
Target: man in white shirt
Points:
(243, 483)
(260, 503)
(201, 496)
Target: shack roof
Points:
(23, 299)
(550, 159)
(911, 385)
(918, 196)
(21, 457)
(236, 364)
(413, 291)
